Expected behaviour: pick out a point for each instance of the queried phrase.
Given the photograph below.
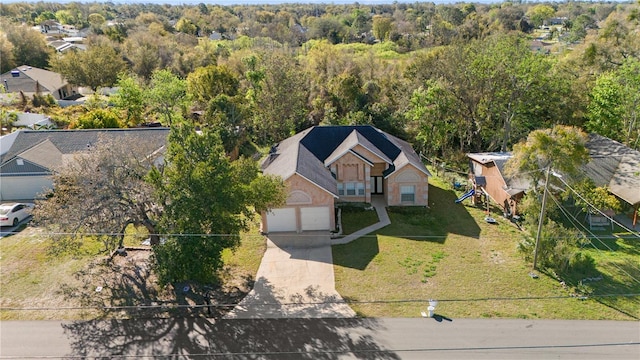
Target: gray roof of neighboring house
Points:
(21, 167)
(26, 79)
(307, 152)
(614, 165)
(40, 146)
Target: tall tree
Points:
(629, 77)
(561, 148)
(29, 47)
(205, 83)
(382, 27)
(166, 94)
(6, 54)
(96, 67)
(102, 191)
(539, 13)
(605, 108)
(130, 99)
(280, 98)
(207, 201)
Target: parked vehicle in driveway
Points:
(11, 214)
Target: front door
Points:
(376, 185)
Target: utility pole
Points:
(540, 220)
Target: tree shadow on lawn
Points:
(190, 335)
(435, 223)
(628, 245)
(611, 291)
(432, 224)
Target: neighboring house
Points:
(617, 167)
(327, 164)
(612, 164)
(65, 44)
(51, 26)
(33, 121)
(487, 177)
(30, 80)
(28, 158)
(540, 47)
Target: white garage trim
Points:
(23, 187)
(281, 220)
(315, 218)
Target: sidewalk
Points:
(378, 203)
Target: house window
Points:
(351, 188)
(407, 193)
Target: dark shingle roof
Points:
(21, 167)
(306, 152)
(323, 140)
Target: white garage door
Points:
(281, 220)
(23, 187)
(315, 218)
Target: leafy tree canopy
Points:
(207, 200)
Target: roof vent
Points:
(15, 73)
(19, 162)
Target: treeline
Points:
(449, 78)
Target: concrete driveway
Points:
(295, 280)
(10, 230)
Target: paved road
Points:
(414, 338)
(295, 280)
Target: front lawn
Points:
(358, 216)
(37, 283)
(448, 253)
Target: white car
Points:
(11, 214)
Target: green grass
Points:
(447, 252)
(355, 218)
(32, 276)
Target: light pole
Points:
(540, 220)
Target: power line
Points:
(571, 218)
(633, 233)
(329, 302)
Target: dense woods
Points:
(449, 78)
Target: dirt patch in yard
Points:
(124, 286)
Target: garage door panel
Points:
(281, 220)
(23, 187)
(315, 218)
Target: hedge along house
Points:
(323, 165)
